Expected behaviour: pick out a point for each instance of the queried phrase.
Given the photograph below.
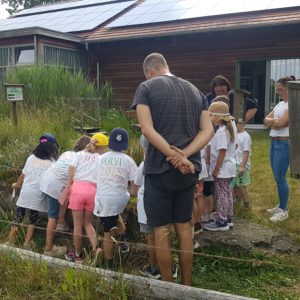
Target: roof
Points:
(40, 31)
(255, 19)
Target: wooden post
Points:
(239, 104)
(14, 112)
(294, 124)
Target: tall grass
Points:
(47, 84)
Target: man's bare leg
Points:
(163, 252)
(184, 234)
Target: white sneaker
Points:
(280, 216)
(274, 210)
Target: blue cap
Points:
(118, 139)
(48, 137)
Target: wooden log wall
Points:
(195, 57)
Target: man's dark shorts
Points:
(169, 197)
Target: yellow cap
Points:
(100, 139)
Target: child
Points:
(208, 189)
(31, 197)
(115, 170)
(243, 151)
(52, 185)
(199, 204)
(222, 164)
(150, 270)
(82, 180)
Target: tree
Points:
(17, 5)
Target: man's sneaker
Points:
(124, 247)
(56, 251)
(230, 223)
(280, 216)
(150, 272)
(174, 271)
(274, 210)
(71, 256)
(196, 244)
(197, 228)
(216, 226)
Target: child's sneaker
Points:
(197, 228)
(196, 244)
(216, 226)
(150, 272)
(211, 218)
(274, 210)
(56, 251)
(174, 271)
(230, 223)
(71, 256)
(280, 216)
(124, 247)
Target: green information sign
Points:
(14, 93)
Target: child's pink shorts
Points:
(82, 196)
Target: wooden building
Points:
(252, 47)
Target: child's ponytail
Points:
(230, 129)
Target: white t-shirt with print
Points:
(244, 144)
(279, 110)
(221, 140)
(30, 195)
(115, 170)
(55, 178)
(139, 181)
(86, 166)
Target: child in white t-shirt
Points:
(222, 164)
(52, 184)
(115, 170)
(243, 152)
(82, 181)
(31, 197)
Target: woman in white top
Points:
(278, 121)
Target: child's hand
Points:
(15, 186)
(242, 171)
(215, 172)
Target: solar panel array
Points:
(68, 20)
(155, 11)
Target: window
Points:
(68, 58)
(24, 55)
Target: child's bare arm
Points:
(133, 189)
(18, 184)
(219, 163)
(71, 173)
(246, 155)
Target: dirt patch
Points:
(251, 236)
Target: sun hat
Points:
(144, 142)
(118, 139)
(222, 98)
(48, 137)
(220, 109)
(99, 139)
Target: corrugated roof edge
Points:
(40, 31)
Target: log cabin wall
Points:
(195, 57)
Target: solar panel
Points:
(59, 6)
(71, 20)
(155, 11)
